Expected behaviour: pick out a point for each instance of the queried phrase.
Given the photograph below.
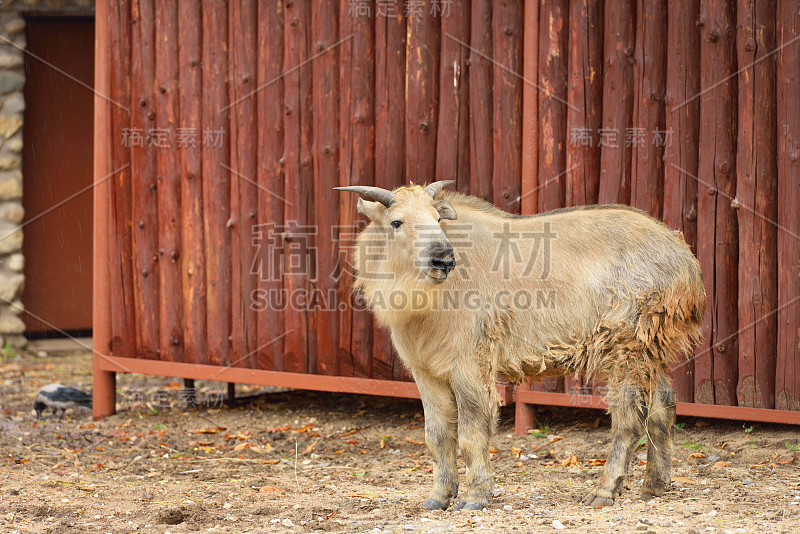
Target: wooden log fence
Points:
(227, 124)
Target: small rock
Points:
(11, 81)
(508, 508)
(712, 513)
(618, 518)
(575, 470)
(287, 523)
(547, 513)
(713, 458)
(747, 482)
(13, 492)
(227, 506)
(558, 525)
(15, 25)
(409, 527)
(641, 526)
(645, 521)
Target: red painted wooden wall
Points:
(232, 121)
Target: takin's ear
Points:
(369, 209)
(445, 209)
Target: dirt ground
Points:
(293, 461)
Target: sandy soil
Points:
(290, 461)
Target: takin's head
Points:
(404, 239)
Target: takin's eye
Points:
(396, 224)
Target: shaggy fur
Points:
(614, 295)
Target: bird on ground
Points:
(58, 397)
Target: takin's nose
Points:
(445, 265)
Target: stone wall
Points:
(12, 106)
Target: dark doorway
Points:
(57, 165)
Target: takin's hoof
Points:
(470, 505)
(433, 504)
(598, 498)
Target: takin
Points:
(470, 293)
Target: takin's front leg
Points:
(627, 426)
(476, 413)
(439, 405)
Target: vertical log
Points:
(680, 151)
(270, 114)
(507, 97)
(362, 163)
(169, 184)
(422, 72)
(650, 85)
(242, 18)
(584, 119)
(480, 100)
(298, 182)
(756, 192)
(717, 250)
(192, 257)
(618, 49)
(216, 181)
(553, 35)
(553, 32)
(452, 143)
(107, 36)
(325, 71)
(529, 192)
(193, 273)
(787, 385)
(120, 263)
(585, 93)
(390, 60)
(145, 185)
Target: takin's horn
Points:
(436, 187)
(378, 194)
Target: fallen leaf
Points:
(786, 461)
(553, 438)
(696, 455)
(200, 443)
(702, 424)
(384, 439)
(594, 462)
(492, 450)
(330, 516)
(272, 461)
(414, 441)
(340, 451)
(279, 428)
(516, 451)
(569, 461)
(642, 462)
(270, 489)
(720, 464)
(242, 446)
(428, 469)
(305, 428)
(352, 442)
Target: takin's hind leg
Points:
(439, 405)
(627, 426)
(659, 425)
(476, 421)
